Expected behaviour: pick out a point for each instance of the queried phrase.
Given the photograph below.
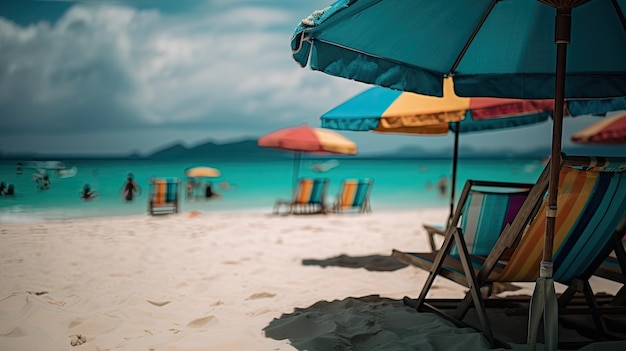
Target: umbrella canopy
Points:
(385, 110)
(484, 45)
(611, 130)
(202, 172)
(308, 139)
(509, 49)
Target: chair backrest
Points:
(164, 190)
(484, 216)
(354, 193)
(591, 204)
(311, 190)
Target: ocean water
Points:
(253, 185)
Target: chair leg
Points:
(479, 304)
(434, 270)
(431, 241)
(593, 305)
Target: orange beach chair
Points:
(164, 197)
(354, 195)
(309, 197)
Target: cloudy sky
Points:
(114, 77)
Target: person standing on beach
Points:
(129, 188)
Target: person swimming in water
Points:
(42, 179)
(209, 192)
(87, 193)
(129, 188)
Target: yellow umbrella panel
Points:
(202, 172)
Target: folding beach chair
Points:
(354, 195)
(590, 222)
(164, 197)
(489, 207)
(309, 198)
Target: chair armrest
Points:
(433, 230)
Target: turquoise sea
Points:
(254, 185)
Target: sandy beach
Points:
(220, 281)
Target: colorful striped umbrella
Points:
(611, 130)
(308, 139)
(393, 111)
(385, 110)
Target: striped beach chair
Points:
(354, 195)
(164, 197)
(309, 198)
(589, 224)
(485, 213)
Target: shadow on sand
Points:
(371, 263)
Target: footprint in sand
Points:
(158, 303)
(14, 333)
(14, 302)
(200, 322)
(262, 295)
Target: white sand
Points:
(216, 282)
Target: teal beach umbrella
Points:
(528, 49)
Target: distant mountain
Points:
(245, 149)
(249, 150)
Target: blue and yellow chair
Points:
(590, 222)
(164, 197)
(354, 195)
(309, 198)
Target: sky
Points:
(112, 77)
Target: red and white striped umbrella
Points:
(308, 139)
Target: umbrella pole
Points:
(544, 295)
(295, 170)
(455, 161)
(562, 38)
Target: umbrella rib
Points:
(620, 14)
(471, 38)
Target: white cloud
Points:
(111, 67)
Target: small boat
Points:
(67, 172)
(325, 166)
